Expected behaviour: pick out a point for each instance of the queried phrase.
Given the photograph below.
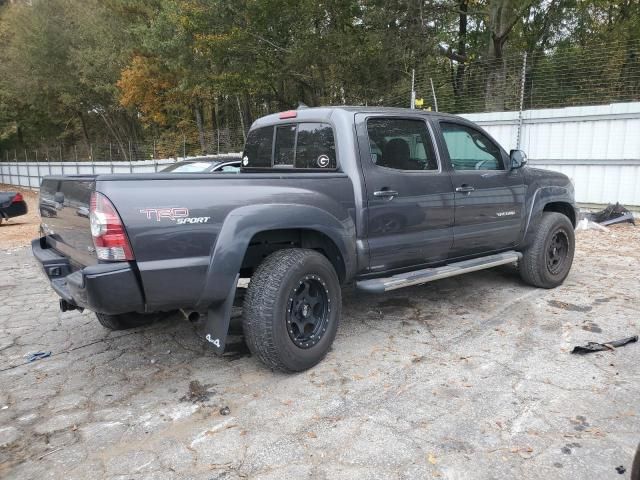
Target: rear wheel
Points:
(125, 321)
(548, 259)
(291, 309)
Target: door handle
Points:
(390, 194)
(465, 189)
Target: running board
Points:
(417, 277)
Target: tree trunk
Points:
(85, 133)
(200, 124)
(502, 18)
(458, 85)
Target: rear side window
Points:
(308, 145)
(401, 144)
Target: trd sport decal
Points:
(179, 215)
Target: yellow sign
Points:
(419, 102)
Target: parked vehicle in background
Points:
(384, 198)
(206, 165)
(12, 204)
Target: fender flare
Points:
(539, 200)
(242, 224)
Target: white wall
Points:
(597, 146)
(28, 174)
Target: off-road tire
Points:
(268, 302)
(533, 266)
(125, 321)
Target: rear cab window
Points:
(296, 146)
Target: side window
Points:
(257, 149)
(401, 144)
(315, 147)
(469, 149)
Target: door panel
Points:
(489, 198)
(409, 205)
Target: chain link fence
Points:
(568, 76)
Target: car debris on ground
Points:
(613, 213)
(591, 347)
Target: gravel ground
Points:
(468, 377)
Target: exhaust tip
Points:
(67, 306)
(191, 315)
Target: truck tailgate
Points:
(64, 208)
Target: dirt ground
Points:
(469, 377)
(20, 230)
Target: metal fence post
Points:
(38, 167)
(412, 105)
(2, 166)
(522, 83)
(130, 158)
(433, 92)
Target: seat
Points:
(396, 154)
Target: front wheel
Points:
(291, 309)
(548, 259)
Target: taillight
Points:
(17, 198)
(107, 230)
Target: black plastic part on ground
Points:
(612, 212)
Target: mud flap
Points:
(218, 320)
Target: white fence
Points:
(28, 174)
(597, 146)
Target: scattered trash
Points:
(611, 214)
(4, 407)
(32, 357)
(621, 469)
(586, 224)
(225, 411)
(599, 347)
(197, 392)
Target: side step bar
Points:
(417, 277)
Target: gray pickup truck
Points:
(383, 198)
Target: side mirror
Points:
(518, 159)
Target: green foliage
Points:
(118, 70)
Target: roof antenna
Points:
(302, 105)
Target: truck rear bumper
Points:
(110, 288)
